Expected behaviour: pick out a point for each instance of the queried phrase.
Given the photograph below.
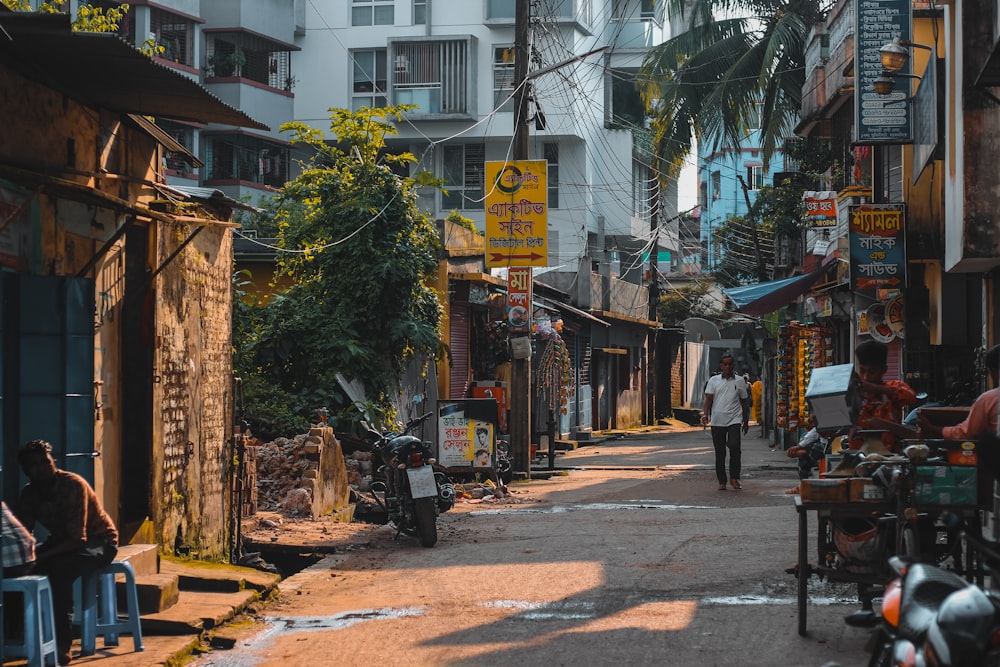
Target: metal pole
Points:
(520, 375)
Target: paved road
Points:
(631, 557)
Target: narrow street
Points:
(634, 556)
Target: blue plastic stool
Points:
(39, 621)
(100, 608)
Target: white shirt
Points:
(728, 395)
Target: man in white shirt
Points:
(728, 413)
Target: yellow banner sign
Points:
(517, 213)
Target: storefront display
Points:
(801, 348)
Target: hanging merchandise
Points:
(801, 348)
(555, 370)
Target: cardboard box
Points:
(832, 397)
(823, 490)
(955, 452)
(945, 485)
(864, 490)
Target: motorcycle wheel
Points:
(881, 649)
(425, 518)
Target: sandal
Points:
(736, 484)
(722, 487)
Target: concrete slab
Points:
(204, 576)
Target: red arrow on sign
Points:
(499, 257)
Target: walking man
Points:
(728, 413)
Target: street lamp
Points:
(895, 54)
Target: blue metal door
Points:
(48, 370)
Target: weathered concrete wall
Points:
(194, 364)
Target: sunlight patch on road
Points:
(650, 616)
(592, 507)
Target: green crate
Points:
(945, 485)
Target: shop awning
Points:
(763, 298)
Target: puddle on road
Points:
(590, 507)
(246, 653)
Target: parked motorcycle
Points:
(405, 483)
(931, 617)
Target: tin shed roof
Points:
(107, 72)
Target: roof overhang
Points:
(103, 70)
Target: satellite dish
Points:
(700, 330)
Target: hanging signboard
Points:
(881, 119)
(821, 208)
(878, 257)
(519, 284)
(517, 213)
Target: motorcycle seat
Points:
(925, 588)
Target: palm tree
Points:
(712, 80)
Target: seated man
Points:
(82, 537)
(982, 418)
(882, 399)
(17, 546)
(810, 450)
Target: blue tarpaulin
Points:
(763, 298)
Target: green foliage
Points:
(359, 253)
(693, 300)
(88, 18)
(738, 259)
(712, 80)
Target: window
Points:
(464, 171)
(419, 12)
(642, 191)
(372, 12)
(716, 185)
(244, 158)
(703, 195)
(185, 137)
(755, 176)
(174, 33)
(551, 152)
(250, 56)
(369, 79)
(503, 77)
(432, 75)
(500, 9)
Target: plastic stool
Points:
(100, 608)
(39, 621)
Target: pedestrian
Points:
(756, 402)
(728, 413)
(82, 538)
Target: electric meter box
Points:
(832, 397)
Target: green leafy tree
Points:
(360, 254)
(713, 80)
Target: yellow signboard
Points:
(517, 214)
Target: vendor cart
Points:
(902, 521)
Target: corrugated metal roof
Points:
(168, 141)
(107, 72)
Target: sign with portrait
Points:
(464, 441)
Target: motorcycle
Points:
(405, 484)
(931, 617)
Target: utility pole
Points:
(520, 375)
(654, 299)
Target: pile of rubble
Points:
(281, 465)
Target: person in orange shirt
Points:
(884, 399)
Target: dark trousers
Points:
(727, 437)
(62, 571)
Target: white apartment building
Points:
(454, 60)
(282, 60)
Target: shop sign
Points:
(519, 299)
(463, 441)
(821, 208)
(517, 213)
(878, 257)
(881, 119)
